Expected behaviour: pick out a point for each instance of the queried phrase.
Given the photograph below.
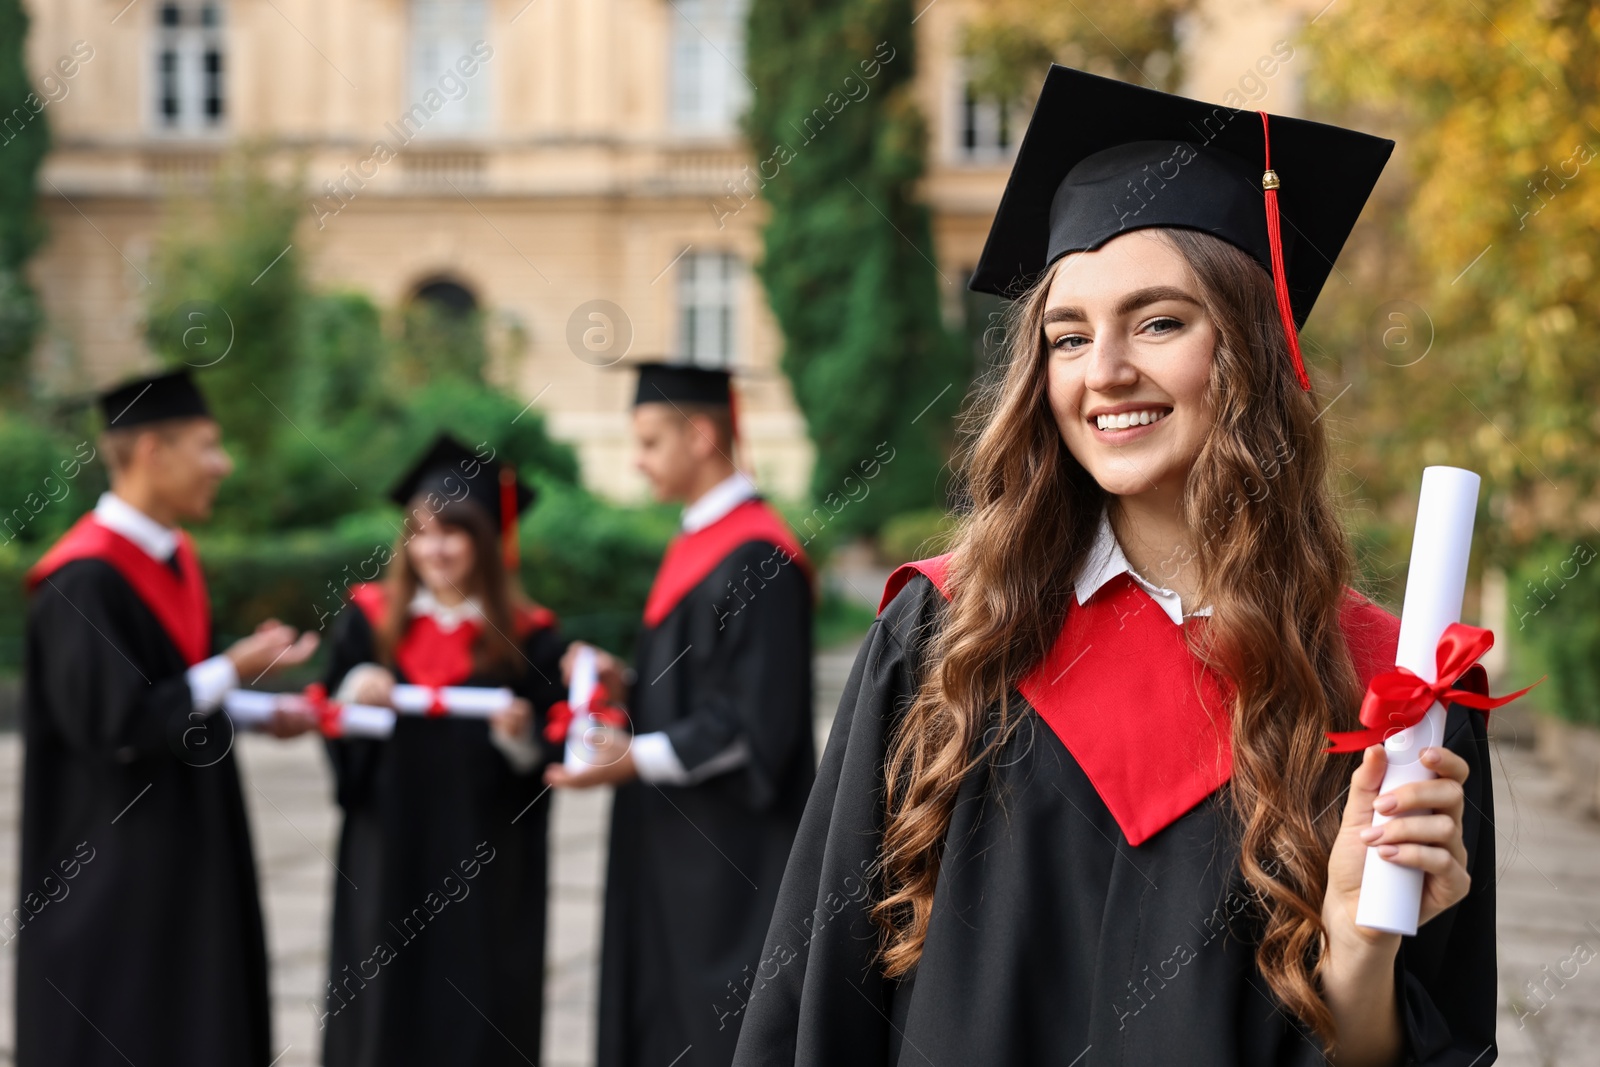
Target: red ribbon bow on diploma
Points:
(326, 710)
(1399, 698)
(560, 716)
(436, 704)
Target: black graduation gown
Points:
(148, 944)
(437, 950)
(693, 871)
(1052, 940)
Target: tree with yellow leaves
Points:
(1479, 331)
(1480, 326)
(1013, 42)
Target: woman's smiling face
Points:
(1129, 345)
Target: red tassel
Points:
(1280, 279)
(508, 519)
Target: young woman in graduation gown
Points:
(437, 953)
(1077, 806)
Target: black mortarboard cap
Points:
(683, 383)
(1102, 157)
(457, 473)
(156, 398)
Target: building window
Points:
(709, 89)
(708, 292)
(984, 131)
(448, 296)
(442, 33)
(190, 95)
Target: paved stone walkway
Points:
(1549, 901)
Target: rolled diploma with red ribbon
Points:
(251, 709)
(1391, 895)
(471, 702)
(580, 690)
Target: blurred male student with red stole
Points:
(139, 935)
(711, 788)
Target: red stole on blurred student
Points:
(177, 600)
(430, 654)
(691, 557)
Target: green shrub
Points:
(48, 479)
(840, 619)
(916, 535)
(1555, 629)
(592, 562)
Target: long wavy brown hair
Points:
(497, 591)
(1273, 562)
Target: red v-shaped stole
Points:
(1146, 722)
(691, 557)
(180, 605)
(427, 653)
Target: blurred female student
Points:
(437, 953)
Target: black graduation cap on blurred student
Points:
(1102, 157)
(457, 473)
(683, 383)
(686, 383)
(154, 398)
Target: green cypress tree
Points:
(849, 268)
(24, 139)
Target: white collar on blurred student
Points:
(119, 516)
(1105, 561)
(717, 501)
(448, 616)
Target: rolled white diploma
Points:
(363, 720)
(252, 710)
(580, 755)
(471, 702)
(1436, 582)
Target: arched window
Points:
(189, 70)
(448, 296)
(708, 300)
(443, 333)
(709, 88)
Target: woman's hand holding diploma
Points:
(1423, 831)
(367, 683)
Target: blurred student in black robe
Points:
(1078, 807)
(711, 788)
(139, 934)
(437, 951)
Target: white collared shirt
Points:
(114, 513)
(1106, 560)
(210, 679)
(447, 616)
(717, 501)
(653, 754)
